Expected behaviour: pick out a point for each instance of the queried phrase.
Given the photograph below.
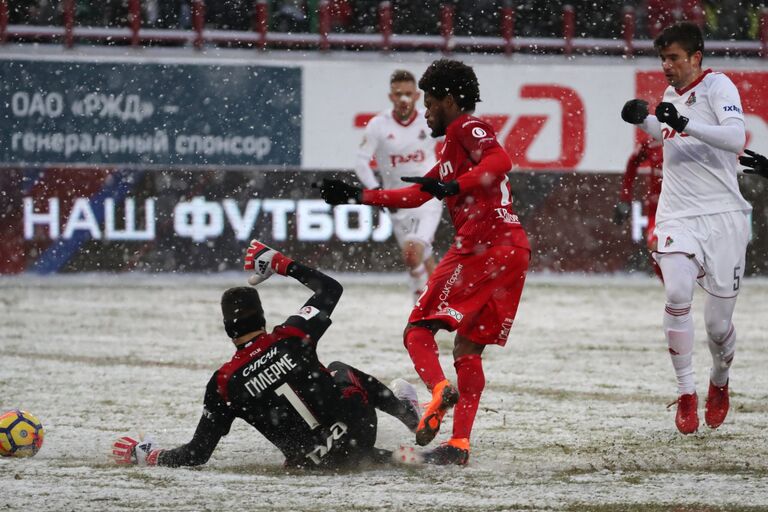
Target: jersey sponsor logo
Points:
(507, 216)
(308, 312)
(446, 291)
(669, 133)
(731, 108)
(256, 363)
(269, 375)
(691, 99)
(478, 132)
(451, 313)
(417, 156)
(338, 430)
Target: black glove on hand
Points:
(338, 192)
(635, 111)
(621, 212)
(437, 188)
(756, 163)
(667, 113)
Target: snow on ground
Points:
(573, 416)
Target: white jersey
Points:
(400, 149)
(700, 179)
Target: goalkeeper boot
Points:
(444, 396)
(406, 393)
(687, 418)
(716, 406)
(455, 451)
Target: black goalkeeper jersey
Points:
(276, 383)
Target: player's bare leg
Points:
(680, 271)
(721, 335)
(419, 268)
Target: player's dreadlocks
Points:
(451, 77)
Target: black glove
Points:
(635, 111)
(437, 188)
(338, 192)
(756, 163)
(621, 212)
(667, 113)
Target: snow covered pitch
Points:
(573, 416)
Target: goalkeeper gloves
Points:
(667, 113)
(635, 111)
(338, 192)
(755, 163)
(437, 188)
(129, 451)
(264, 261)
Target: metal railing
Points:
(385, 40)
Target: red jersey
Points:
(649, 153)
(482, 211)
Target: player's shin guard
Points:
(421, 346)
(678, 328)
(471, 382)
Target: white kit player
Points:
(702, 222)
(400, 141)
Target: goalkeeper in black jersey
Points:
(317, 416)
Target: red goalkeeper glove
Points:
(128, 451)
(264, 261)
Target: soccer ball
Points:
(21, 434)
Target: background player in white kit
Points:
(399, 140)
(702, 222)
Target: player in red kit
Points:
(475, 289)
(649, 153)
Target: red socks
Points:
(471, 381)
(421, 346)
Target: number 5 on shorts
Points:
(736, 278)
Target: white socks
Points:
(678, 328)
(722, 357)
(417, 280)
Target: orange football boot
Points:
(444, 396)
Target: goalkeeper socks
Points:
(471, 381)
(722, 356)
(421, 346)
(678, 328)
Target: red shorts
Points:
(475, 295)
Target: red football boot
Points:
(716, 406)
(687, 418)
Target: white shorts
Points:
(717, 241)
(418, 224)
